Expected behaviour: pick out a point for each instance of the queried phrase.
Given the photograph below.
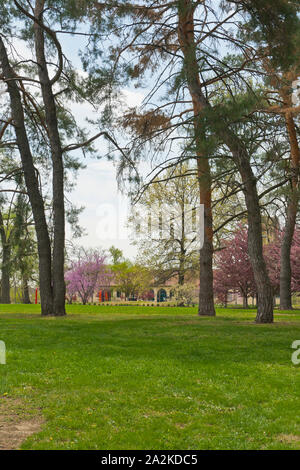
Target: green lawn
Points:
(153, 378)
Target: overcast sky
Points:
(105, 208)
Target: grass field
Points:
(152, 378)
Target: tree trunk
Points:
(255, 245)
(285, 260)
(26, 296)
(59, 290)
(245, 301)
(5, 271)
(5, 267)
(181, 277)
(181, 271)
(293, 200)
(32, 185)
(206, 293)
(242, 160)
(187, 43)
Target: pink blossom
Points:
(87, 274)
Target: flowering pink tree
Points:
(295, 261)
(233, 268)
(87, 274)
(222, 286)
(71, 290)
(234, 272)
(272, 256)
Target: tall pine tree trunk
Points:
(289, 229)
(59, 291)
(206, 293)
(255, 244)
(32, 184)
(242, 160)
(285, 258)
(187, 43)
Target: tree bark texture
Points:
(32, 184)
(289, 229)
(242, 161)
(59, 290)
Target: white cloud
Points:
(133, 98)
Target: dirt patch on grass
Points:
(16, 424)
(180, 425)
(289, 438)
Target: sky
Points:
(106, 209)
